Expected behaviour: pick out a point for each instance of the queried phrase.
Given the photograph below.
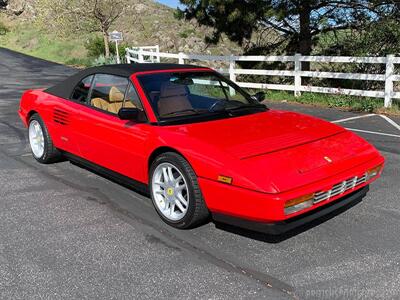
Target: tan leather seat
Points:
(116, 99)
(129, 104)
(173, 97)
(100, 103)
(114, 103)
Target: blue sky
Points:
(171, 3)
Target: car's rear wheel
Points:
(175, 191)
(42, 146)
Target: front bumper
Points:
(280, 227)
(231, 200)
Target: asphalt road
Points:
(66, 232)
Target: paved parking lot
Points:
(66, 232)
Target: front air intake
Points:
(339, 188)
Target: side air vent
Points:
(60, 116)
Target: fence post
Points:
(297, 76)
(232, 64)
(151, 57)
(127, 56)
(158, 53)
(140, 56)
(232, 75)
(389, 80)
(181, 59)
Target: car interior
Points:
(173, 97)
(168, 97)
(169, 93)
(112, 102)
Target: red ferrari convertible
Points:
(200, 145)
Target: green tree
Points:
(376, 39)
(86, 16)
(298, 24)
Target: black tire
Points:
(197, 212)
(50, 154)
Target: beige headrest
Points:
(172, 90)
(115, 95)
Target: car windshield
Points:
(190, 94)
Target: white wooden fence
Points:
(152, 54)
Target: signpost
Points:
(116, 37)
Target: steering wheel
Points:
(225, 104)
(218, 104)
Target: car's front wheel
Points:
(42, 147)
(175, 191)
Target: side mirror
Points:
(128, 113)
(260, 96)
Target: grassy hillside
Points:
(30, 40)
(144, 23)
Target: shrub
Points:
(102, 60)
(186, 33)
(95, 47)
(79, 62)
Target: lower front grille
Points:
(339, 188)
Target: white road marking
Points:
(397, 126)
(391, 121)
(353, 118)
(374, 132)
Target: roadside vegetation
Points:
(47, 46)
(344, 102)
(344, 27)
(69, 17)
(142, 22)
(3, 29)
(77, 35)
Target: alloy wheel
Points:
(170, 191)
(36, 138)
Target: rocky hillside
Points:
(145, 23)
(155, 24)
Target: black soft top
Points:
(64, 89)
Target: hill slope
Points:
(144, 23)
(155, 24)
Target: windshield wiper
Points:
(195, 112)
(246, 106)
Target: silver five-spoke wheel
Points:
(36, 138)
(170, 191)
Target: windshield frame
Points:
(206, 116)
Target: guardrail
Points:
(152, 54)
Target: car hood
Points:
(261, 133)
(273, 151)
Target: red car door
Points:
(64, 116)
(104, 139)
(65, 123)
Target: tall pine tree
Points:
(297, 23)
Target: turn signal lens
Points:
(374, 172)
(225, 179)
(300, 203)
